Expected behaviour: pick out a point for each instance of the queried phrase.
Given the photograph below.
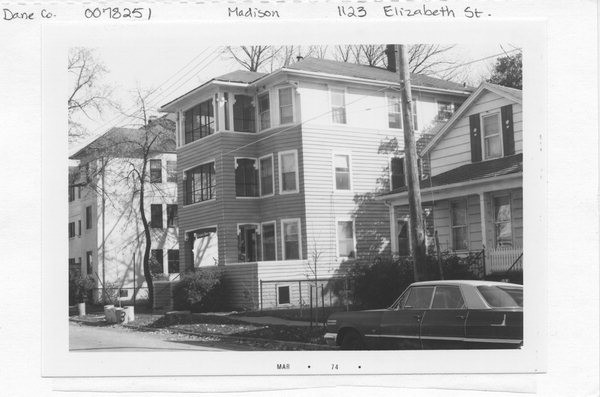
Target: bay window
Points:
(266, 175)
(286, 106)
(243, 114)
(290, 230)
(200, 183)
(199, 121)
(267, 235)
(264, 111)
(288, 172)
(246, 177)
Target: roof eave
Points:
(170, 107)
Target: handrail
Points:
(514, 263)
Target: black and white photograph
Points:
(296, 197)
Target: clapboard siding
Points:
(454, 149)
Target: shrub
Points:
(80, 288)
(200, 291)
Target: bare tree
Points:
(430, 59)
(342, 53)
(253, 57)
(88, 96)
(370, 54)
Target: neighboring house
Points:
(278, 169)
(473, 194)
(106, 235)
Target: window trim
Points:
(292, 87)
(512, 227)
(152, 225)
(162, 262)
(89, 222)
(288, 286)
(337, 239)
(175, 224)
(74, 234)
(280, 171)
(257, 231)
(437, 103)
(392, 157)
(260, 189)
(388, 96)
(350, 176)
(262, 241)
(466, 225)
(184, 111)
(299, 224)
(173, 162)
(266, 93)
(178, 260)
(155, 161)
(256, 166)
(345, 92)
(483, 115)
(184, 179)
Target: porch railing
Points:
(501, 260)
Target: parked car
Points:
(452, 314)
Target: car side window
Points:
(419, 298)
(447, 297)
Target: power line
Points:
(478, 60)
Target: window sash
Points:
(268, 240)
(171, 171)
(288, 168)
(492, 139)
(171, 215)
(503, 222)
(264, 111)
(246, 178)
(342, 171)
(397, 173)
(283, 295)
(445, 110)
(286, 106)
(88, 217)
(200, 183)
(291, 240)
(156, 265)
(460, 238)
(394, 112)
(266, 176)
(338, 106)
(156, 220)
(71, 229)
(243, 114)
(155, 171)
(173, 261)
(199, 121)
(345, 236)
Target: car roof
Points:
(473, 283)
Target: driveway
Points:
(116, 338)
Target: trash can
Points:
(120, 315)
(129, 311)
(110, 314)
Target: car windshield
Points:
(497, 296)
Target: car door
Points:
(400, 328)
(443, 326)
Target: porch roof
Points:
(471, 172)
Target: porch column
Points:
(393, 232)
(483, 225)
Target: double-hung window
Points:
(460, 239)
(171, 171)
(71, 193)
(156, 218)
(445, 110)
(264, 111)
(88, 217)
(267, 235)
(345, 238)
(342, 171)
(199, 121)
(246, 177)
(286, 106)
(200, 183)
(243, 114)
(156, 261)
(71, 229)
(492, 139)
(338, 106)
(503, 222)
(171, 215)
(397, 174)
(266, 175)
(156, 171)
(288, 172)
(394, 111)
(290, 231)
(173, 261)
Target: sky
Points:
(178, 70)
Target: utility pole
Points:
(417, 232)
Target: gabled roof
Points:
(376, 73)
(474, 171)
(240, 76)
(119, 140)
(512, 94)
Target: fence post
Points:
(311, 304)
(300, 296)
(323, 303)
(261, 295)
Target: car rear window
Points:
(496, 296)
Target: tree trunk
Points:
(148, 242)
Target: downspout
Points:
(103, 232)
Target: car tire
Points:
(352, 341)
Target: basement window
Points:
(283, 295)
